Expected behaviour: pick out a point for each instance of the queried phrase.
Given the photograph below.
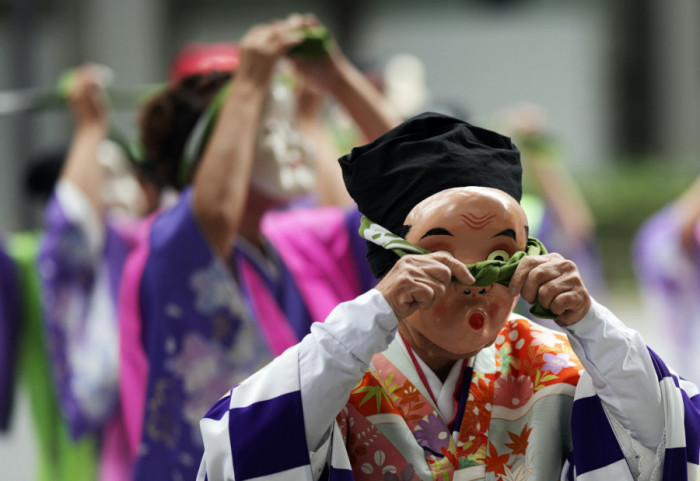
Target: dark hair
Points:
(167, 119)
(43, 171)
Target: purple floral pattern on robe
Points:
(79, 292)
(198, 327)
(199, 336)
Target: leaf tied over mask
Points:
(485, 272)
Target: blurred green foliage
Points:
(622, 198)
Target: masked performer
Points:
(430, 375)
(221, 287)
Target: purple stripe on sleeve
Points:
(594, 440)
(675, 465)
(692, 427)
(219, 409)
(660, 367)
(572, 463)
(256, 432)
(336, 474)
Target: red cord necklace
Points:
(463, 387)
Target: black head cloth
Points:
(422, 156)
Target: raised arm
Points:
(221, 181)
(561, 192)
(334, 76)
(78, 309)
(527, 123)
(88, 103)
(339, 77)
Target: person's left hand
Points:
(555, 283)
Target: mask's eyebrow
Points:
(508, 233)
(437, 231)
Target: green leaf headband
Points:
(485, 272)
(200, 134)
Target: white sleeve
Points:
(78, 209)
(335, 356)
(618, 361)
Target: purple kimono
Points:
(81, 260)
(79, 289)
(669, 282)
(9, 336)
(192, 326)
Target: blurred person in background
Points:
(403, 79)
(666, 261)
(230, 277)
(92, 221)
(59, 456)
(558, 213)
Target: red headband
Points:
(200, 58)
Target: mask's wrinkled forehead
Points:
(477, 208)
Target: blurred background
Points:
(619, 80)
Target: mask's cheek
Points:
(501, 303)
(447, 327)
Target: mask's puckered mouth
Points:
(477, 320)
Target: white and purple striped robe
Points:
(257, 432)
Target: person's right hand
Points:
(421, 281)
(264, 44)
(88, 100)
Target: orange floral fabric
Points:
(527, 359)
